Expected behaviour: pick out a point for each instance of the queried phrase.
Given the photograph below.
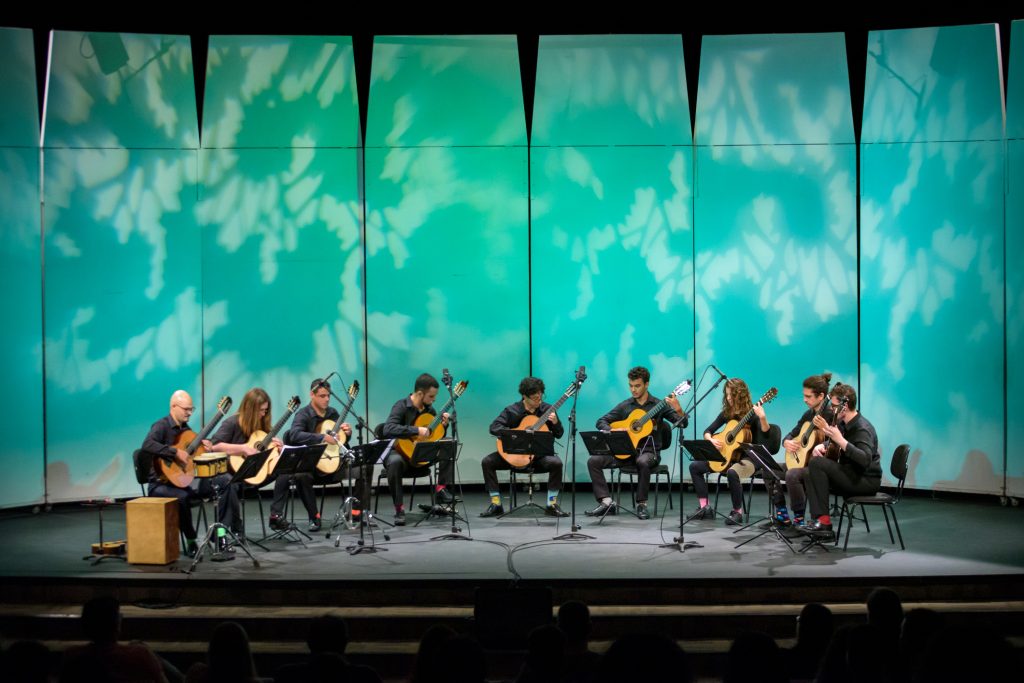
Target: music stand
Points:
(773, 473)
(434, 454)
(600, 443)
(704, 451)
(362, 456)
(293, 461)
(525, 442)
(250, 468)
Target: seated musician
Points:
(304, 432)
(647, 449)
(736, 404)
(159, 443)
(232, 437)
(853, 466)
(531, 389)
(815, 391)
(401, 425)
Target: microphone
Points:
(446, 377)
(722, 374)
(323, 382)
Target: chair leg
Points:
(839, 526)
(897, 524)
(849, 526)
(412, 492)
(259, 502)
(657, 490)
(885, 513)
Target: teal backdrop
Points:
(144, 250)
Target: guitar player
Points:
(647, 449)
(815, 393)
(531, 403)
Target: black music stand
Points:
(434, 454)
(293, 461)
(704, 451)
(773, 474)
(250, 468)
(365, 456)
(613, 444)
(531, 443)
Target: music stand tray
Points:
(363, 456)
(773, 474)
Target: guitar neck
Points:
(204, 433)
(649, 415)
(742, 423)
(549, 412)
(274, 430)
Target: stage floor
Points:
(944, 538)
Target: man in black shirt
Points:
(159, 443)
(815, 392)
(858, 470)
(401, 425)
(532, 391)
(304, 432)
(647, 449)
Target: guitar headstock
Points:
(224, 405)
(682, 388)
(581, 375)
(353, 389)
(293, 404)
(460, 387)
(769, 396)
(571, 389)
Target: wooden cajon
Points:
(152, 530)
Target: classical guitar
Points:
(737, 432)
(431, 422)
(182, 475)
(331, 460)
(832, 451)
(535, 423)
(808, 438)
(640, 424)
(261, 441)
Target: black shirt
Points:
(230, 432)
(399, 424)
(513, 414)
(862, 448)
(162, 434)
(807, 417)
(622, 411)
(305, 425)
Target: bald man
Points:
(159, 443)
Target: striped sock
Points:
(495, 498)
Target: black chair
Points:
(143, 463)
(657, 472)
(898, 469)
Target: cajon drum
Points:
(152, 530)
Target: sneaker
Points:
(703, 512)
(798, 521)
(278, 523)
(641, 511)
(735, 518)
(400, 518)
(782, 519)
(314, 524)
(444, 497)
(554, 511)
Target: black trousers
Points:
(228, 511)
(824, 476)
(797, 491)
(550, 464)
(645, 462)
(397, 467)
(304, 487)
(699, 469)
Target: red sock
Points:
(439, 487)
(825, 519)
(400, 507)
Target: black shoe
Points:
(704, 512)
(314, 524)
(602, 510)
(641, 511)
(191, 548)
(278, 523)
(399, 518)
(735, 518)
(822, 532)
(493, 510)
(554, 511)
(444, 497)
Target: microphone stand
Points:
(679, 542)
(456, 533)
(574, 528)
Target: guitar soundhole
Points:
(635, 426)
